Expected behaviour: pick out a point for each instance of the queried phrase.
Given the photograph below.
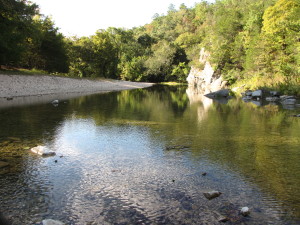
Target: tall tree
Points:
(281, 29)
(15, 25)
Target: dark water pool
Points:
(138, 157)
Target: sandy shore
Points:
(22, 85)
(17, 90)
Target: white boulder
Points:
(43, 151)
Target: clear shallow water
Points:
(137, 157)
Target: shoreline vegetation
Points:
(252, 43)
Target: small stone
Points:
(54, 102)
(275, 93)
(52, 222)
(3, 164)
(212, 194)
(204, 174)
(219, 217)
(272, 99)
(245, 211)
(223, 219)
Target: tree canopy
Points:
(246, 38)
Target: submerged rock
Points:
(43, 151)
(245, 211)
(3, 164)
(52, 222)
(212, 194)
(177, 147)
(55, 102)
(222, 219)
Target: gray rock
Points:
(283, 97)
(3, 164)
(245, 211)
(257, 94)
(55, 102)
(289, 101)
(52, 222)
(220, 93)
(272, 99)
(212, 194)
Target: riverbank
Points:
(33, 85)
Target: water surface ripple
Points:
(139, 157)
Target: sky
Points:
(84, 18)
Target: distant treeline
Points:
(246, 38)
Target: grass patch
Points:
(20, 71)
(174, 83)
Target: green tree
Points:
(281, 30)
(15, 26)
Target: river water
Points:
(147, 156)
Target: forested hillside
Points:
(255, 41)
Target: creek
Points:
(146, 156)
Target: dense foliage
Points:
(254, 40)
(30, 40)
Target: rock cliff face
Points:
(206, 80)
